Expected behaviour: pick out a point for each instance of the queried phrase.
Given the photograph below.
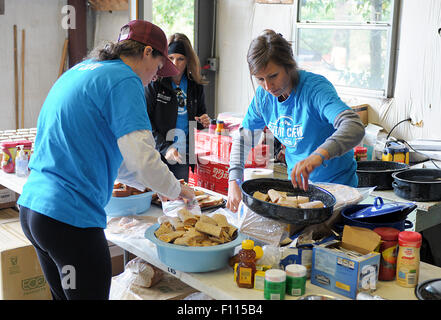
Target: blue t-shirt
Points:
(76, 155)
(302, 123)
(180, 140)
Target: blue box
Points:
(342, 273)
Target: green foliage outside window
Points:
(174, 16)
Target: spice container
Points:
(219, 127)
(246, 268)
(389, 252)
(295, 279)
(212, 127)
(9, 151)
(275, 284)
(408, 261)
(360, 153)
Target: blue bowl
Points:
(131, 205)
(193, 259)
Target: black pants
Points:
(179, 170)
(75, 261)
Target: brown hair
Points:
(114, 50)
(193, 64)
(271, 46)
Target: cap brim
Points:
(168, 70)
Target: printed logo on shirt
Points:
(286, 131)
(87, 66)
(162, 98)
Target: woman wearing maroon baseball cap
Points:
(93, 129)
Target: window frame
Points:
(390, 27)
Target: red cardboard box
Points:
(220, 146)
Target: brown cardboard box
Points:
(21, 277)
(362, 111)
(8, 198)
(9, 215)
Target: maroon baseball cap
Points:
(150, 35)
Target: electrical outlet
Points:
(418, 124)
(213, 64)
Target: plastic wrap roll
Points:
(255, 173)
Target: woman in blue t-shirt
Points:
(304, 112)
(93, 128)
(176, 105)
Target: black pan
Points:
(378, 173)
(301, 217)
(418, 184)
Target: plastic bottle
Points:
(275, 284)
(389, 252)
(219, 127)
(408, 262)
(21, 162)
(360, 153)
(212, 127)
(246, 267)
(295, 279)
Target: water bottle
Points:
(21, 163)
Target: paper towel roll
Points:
(255, 173)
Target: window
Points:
(174, 16)
(350, 42)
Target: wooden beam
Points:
(16, 76)
(78, 36)
(110, 5)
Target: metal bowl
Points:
(298, 216)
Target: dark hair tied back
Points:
(112, 51)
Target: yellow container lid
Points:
(248, 244)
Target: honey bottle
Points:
(246, 267)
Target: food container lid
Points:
(360, 149)
(409, 239)
(248, 244)
(275, 275)
(259, 252)
(295, 270)
(387, 233)
(379, 208)
(9, 144)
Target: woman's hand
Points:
(204, 120)
(173, 155)
(300, 173)
(234, 196)
(187, 193)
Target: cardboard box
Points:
(219, 147)
(9, 215)
(343, 272)
(21, 277)
(8, 198)
(362, 111)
